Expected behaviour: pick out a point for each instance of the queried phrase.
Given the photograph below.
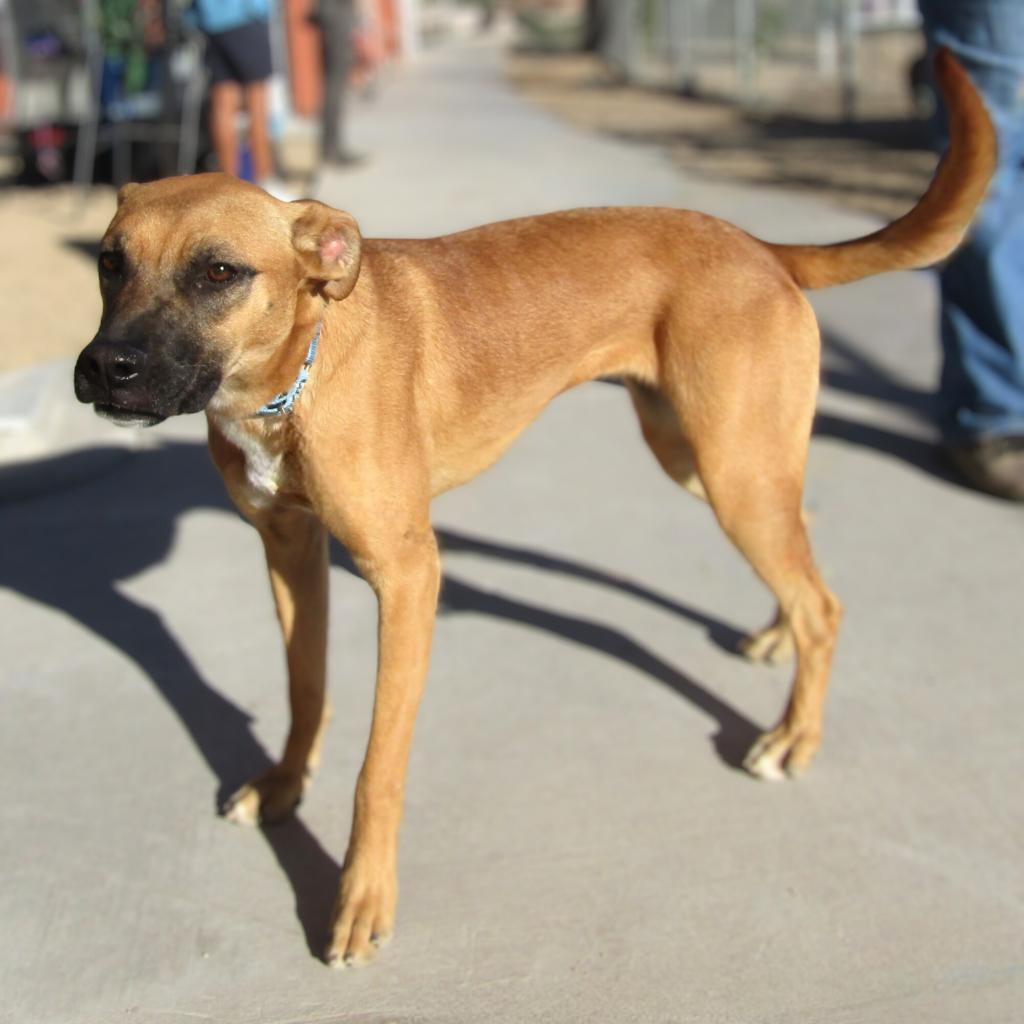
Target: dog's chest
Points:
(264, 463)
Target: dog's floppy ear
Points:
(328, 244)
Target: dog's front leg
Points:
(404, 570)
(295, 543)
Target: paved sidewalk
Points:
(579, 844)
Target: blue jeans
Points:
(981, 392)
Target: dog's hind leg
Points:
(663, 432)
(747, 407)
(757, 501)
(664, 435)
(762, 518)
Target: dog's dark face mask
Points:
(157, 352)
(200, 279)
(142, 368)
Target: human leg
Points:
(224, 102)
(336, 30)
(259, 130)
(981, 389)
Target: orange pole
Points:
(305, 66)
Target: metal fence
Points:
(751, 50)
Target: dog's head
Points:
(203, 278)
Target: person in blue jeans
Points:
(981, 390)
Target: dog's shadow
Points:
(68, 549)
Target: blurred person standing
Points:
(488, 14)
(981, 391)
(239, 63)
(337, 21)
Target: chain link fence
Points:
(763, 53)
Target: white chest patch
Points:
(262, 463)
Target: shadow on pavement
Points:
(848, 369)
(807, 154)
(75, 545)
(735, 733)
(797, 139)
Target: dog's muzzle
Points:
(134, 387)
(112, 376)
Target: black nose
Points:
(106, 366)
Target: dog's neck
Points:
(283, 403)
(267, 432)
(266, 391)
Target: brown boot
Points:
(992, 464)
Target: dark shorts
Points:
(239, 55)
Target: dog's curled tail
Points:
(936, 225)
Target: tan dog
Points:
(433, 355)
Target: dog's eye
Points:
(111, 263)
(220, 273)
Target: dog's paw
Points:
(769, 646)
(364, 916)
(270, 798)
(784, 752)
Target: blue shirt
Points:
(223, 15)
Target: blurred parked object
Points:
(42, 57)
(145, 88)
(95, 76)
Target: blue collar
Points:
(284, 402)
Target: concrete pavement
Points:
(579, 844)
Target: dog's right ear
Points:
(329, 245)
